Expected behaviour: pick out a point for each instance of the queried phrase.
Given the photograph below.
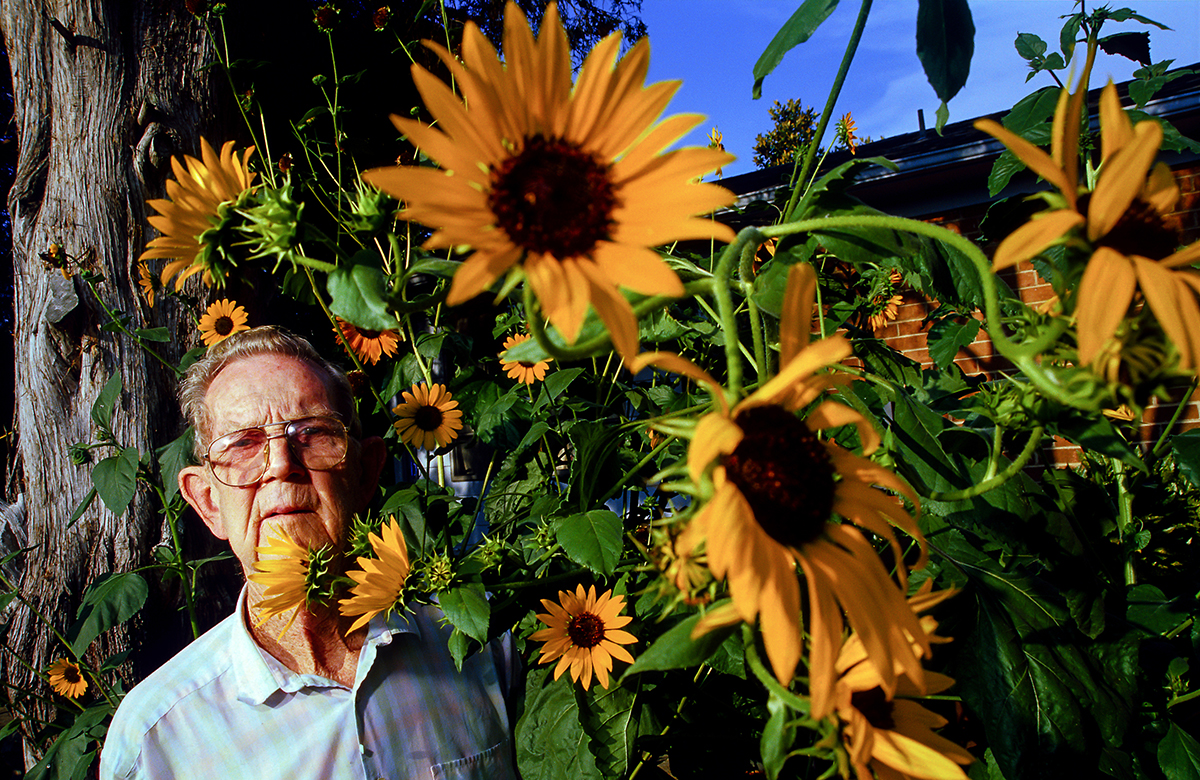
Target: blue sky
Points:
(712, 46)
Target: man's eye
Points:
(243, 443)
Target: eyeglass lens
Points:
(240, 458)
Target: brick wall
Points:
(908, 335)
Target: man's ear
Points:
(197, 490)
(374, 454)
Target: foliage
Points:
(793, 128)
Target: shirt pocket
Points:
(495, 763)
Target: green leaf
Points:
(359, 294)
(551, 741)
(467, 608)
(558, 381)
(795, 31)
(1029, 46)
(1006, 166)
(115, 479)
(606, 715)
(153, 334)
(677, 650)
(102, 408)
(1186, 449)
(593, 469)
(172, 459)
(68, 757)
(592, 539)
(1179, 755)
(83, 507)
(948, 336)
(1031, 111)
(111, 600)
(945, 43)
(774, 743)
(1068, 34)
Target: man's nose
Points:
(281, 461)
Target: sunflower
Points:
(66, 678)
(716, 141)
(194, 206)
(379, 581)
(523, 370)
(1122, 221)
(222, 320)
(885, 306)
(429, 417)
(775, 486)
(285, 578)
(563, 184)
(890, 737)
(845, 132)
(584, 633)
(148, 283)
(369, 345)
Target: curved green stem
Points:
(834, 92)
(1011, 471)
(725, 311)
(765, 677)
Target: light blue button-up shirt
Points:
(224, 708)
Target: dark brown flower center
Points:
(368, 334)
(553, 198)
(1141, 231)
(586, 630)
(223, 326)
(874, 706)
(72, 674)
(784, 472)
(428, 418)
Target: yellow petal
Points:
(1116, 131)
(1035, 236)
(1037, 160)
(1105, 292)
(795, 320)
(1121, 179)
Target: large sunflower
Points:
(379, 581)
(1122, 221)
(221, 320)
(284, 577)
(775, 489)
(193, 206)
(369, 345)
(522, 370)
(66, 678)
(429, 417)
(890, 737)
(565, 183)
(584, 633)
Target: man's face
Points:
(313, 507)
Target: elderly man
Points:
(247, 701)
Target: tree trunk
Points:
(105, 92)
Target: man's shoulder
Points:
(186, 676)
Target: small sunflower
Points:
(285, 577)
(222, 320)
(775, 489)
(194, 205)
(565, 184)
(429, 417)
(523, 370)
(886, 305)
(584, 633)
(66, 678)
(893, 737)
(369, 345)
(1122, 221)
(716, 141)
(379, 581)
(845, 132)
(148, 283)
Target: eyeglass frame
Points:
(266, 447)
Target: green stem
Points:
(765, 677)
(113, 319)
(725, 311)
(641, 463)
(834, 92)
(1183, 402)
(1011, 471)
(189, 597)
(1124, 518)
(994, 460)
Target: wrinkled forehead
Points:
(262, 389)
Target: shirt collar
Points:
(259, 674)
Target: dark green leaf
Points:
(592, 539)
(102, 408)
(1179, 755)
(558, 381)
(153, 334)
(172, 459)
(1130, 45)
(115, 479)
(948, 336)
(1031, 111)
(677, 650)
(795, 31)
(83, 507)
(359, 296)
(945, 43)
(1068, 34)
(606, 715)
(774, 743)
(111, 600)
(467, 608)
(593, 469)
(1186, 449)
(1029, 46)
(551, 741)
(1006, 166)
